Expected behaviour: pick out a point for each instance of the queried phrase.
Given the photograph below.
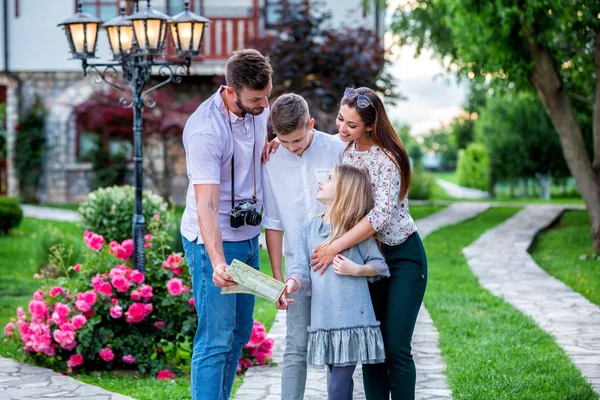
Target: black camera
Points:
(245, 214)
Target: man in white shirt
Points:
(223, 140)
(290, 182)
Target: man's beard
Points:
(253, 111)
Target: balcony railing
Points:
(231, 29)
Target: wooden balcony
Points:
(226, 33)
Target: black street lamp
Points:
(136, 40)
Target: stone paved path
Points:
(264, 383)
(500, 260)
(54, 214)
(20, 381)
(461, 192)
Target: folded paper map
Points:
(253, 282)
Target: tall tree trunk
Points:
(547, 84)
(596, 120)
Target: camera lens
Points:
(253, 218)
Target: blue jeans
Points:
(224, 321)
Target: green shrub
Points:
(30, 140)
(56, 248)
(474, 167)
(109, 212)
(11, 213)
(421, 185)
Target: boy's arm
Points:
(275, 248)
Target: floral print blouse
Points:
(390, 216)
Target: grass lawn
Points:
(419, 212)
(492, 351)
(19, 261)
(565, 252)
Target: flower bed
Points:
(105, 315)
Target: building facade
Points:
(35, 61)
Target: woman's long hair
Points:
(352, 201)
(383, 134)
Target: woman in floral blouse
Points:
(372, 142)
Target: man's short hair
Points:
(248, 69)
(288, 113)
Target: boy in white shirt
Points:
(290, 182)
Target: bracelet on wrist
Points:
(296, 284)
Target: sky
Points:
(433, 95)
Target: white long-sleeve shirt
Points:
(290, 184)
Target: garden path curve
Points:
(264, 383)
(499, 258)
(461, 192)
(53, 214)
(20, 381)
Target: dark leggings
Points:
(396, 301)
(341, 384)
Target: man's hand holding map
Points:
(253, 282)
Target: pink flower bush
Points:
(93, 240)
(116, 312)
(122, 251)
(78, 321)
(258, 335)
(175, 286)
(56, 290)
(9, 328)
(66, 339)
(173, 262)
(165, 375)
(136, 277)
(109, 315)
(128, 359)
(258, 350)
(107, 354)
(75, 360)
(243, 364)
(147, 241)
(137, 312)
(121, 283)
(146, 292)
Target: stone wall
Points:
(65, 179)
(12, 116)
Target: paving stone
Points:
(514, 276)
(22, 381)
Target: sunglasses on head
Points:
(362, 101)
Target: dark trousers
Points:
(396, 301)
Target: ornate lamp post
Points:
(136, 40)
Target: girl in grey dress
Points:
(343, 330)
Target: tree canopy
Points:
(551, 47)
(314, 60)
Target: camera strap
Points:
(233, 155)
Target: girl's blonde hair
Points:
(352, 201)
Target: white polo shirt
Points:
(209, 145)
(290, 184)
